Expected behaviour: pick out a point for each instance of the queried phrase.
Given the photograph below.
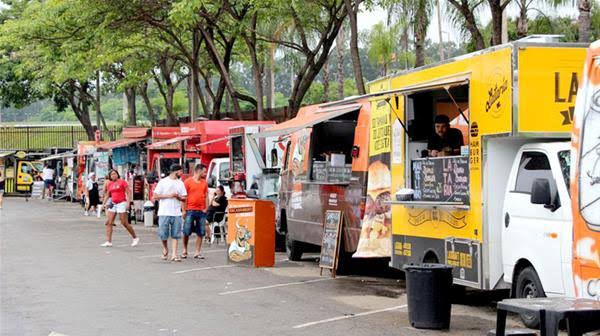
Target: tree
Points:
(421, 22)
(465, 17)
(381, 51)
(584, 20)
(352, 8)
(497, 8)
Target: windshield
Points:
(38, 166)
(269, 186)
(564, 157)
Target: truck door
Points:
(533, 231)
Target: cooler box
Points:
(251, 232)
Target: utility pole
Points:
(439, 17)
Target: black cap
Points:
(175, 167)
(442, 119)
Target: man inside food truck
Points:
(445, 140)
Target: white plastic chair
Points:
(222, 225)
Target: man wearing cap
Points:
(170, 193)
(445, 140)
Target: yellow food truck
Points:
(18, 171)
(474, 205)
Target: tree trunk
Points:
(270, 78)
(522, 20)
(223, 68)
(470, 21)
(195, 88)
(585, 8)
(354, 53)
(340, 69)
(256, 67)
(149, 107)
(497, 8)
(131, 112)
(326, 81)
(420, 28)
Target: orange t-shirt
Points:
(196, 194)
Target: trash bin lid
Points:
(148, 204)
(426, 267)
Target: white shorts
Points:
(119, 207)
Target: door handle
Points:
(506, 219)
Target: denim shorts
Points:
(194, 223)
(169, 226)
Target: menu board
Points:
(331, 239)
(443, 179)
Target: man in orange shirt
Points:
(196, 205)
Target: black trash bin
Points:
(428, 288)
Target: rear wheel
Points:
(529, 286)
(293, 248)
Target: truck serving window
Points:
(533, 165)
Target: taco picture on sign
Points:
(376, 227)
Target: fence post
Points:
(27, 138)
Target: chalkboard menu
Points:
(443, 179)
(331, 239)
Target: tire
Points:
(293, 248)
(528, 285)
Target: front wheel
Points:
(293, 248)
(529, 286)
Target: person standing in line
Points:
(48, 177)
(92, 195)
(195, 209)
(118, 191)
(2, 183)
(170, 193)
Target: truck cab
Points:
(218, 174)
(537, 234)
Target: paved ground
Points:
(56, 279)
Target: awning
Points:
(119, 143)
(6, 153)
(59, 156)
(214, 141)
(135, 132)
(303, 121)
(440, 83)
(171, 141)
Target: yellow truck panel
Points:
(547, 85)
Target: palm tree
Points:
(381, 50)
(585, 21)
(525, 6)
(421, 22)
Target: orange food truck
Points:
(336, 159)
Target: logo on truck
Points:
(496, 94)
(566, 96)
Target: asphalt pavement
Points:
(56, 280)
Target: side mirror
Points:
(540, 192)
(211, 182)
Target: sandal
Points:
(198, 256)
(165, 255)
(184, 255)
(176, 258)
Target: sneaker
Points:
(107, 244)
(135, 241)
(86, 213)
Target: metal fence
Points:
(43, 137)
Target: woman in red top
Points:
(118, 191)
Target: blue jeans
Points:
(194, 223)
(169, 226)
